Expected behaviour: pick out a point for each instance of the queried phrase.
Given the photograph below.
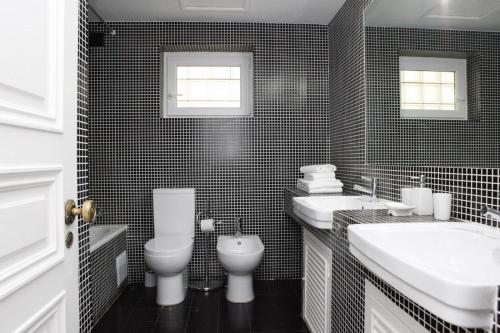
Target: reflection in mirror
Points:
(433, 82)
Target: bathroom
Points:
(402, 238)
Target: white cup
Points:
(407, 196)
(442, 206)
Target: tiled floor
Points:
(276, 309)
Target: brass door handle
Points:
(88, 211)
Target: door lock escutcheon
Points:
(87, 211)
(69, 240)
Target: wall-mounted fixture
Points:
(108, 27)
(214, 5)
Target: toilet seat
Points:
(167, 245)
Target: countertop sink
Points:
(450, 268)
(318, 210)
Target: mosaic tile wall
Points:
(85, 302)
(471, 187)
(347, 91)
(393, 140)
(240, 164)
(104, 286)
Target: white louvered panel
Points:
(383, 316)
(317, 284)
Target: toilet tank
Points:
(174, 211)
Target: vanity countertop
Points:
(351, 216)
(349, 273)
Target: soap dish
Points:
(399, 209)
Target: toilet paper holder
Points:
(207, 217)
(206, 285)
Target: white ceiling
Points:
(276, 11)
(483, 15)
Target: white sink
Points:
(450, 268)
(318, 210)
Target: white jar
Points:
(442, 206)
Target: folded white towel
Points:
(320, 190)
(319, 175)
(318, 168)
(320, 183)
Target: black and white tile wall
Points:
(240, 164)
(105, 290)
(393, 140)
(472, 186)
(85, 301)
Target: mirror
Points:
(433, 82)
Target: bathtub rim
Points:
(116, 230)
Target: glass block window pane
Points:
(427, 90)
(207, 84)
(208, 87)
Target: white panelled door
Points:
(38, 89)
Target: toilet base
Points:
(170, 290)
(240, 288)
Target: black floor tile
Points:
(284, 299)
(139, 328)
(287, 310)
(171, 326)
(179, 312)
(134, 291)
(265, 324)
(139, 315)
(201, 312)
(261, 308)
(117, 314)
(232, 326)
(206, 300)
(204, 325)
(276, 309)
(293, 323)
(146, 302)
(124, 328)
(234, 317)
(125, 302)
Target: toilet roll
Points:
(207, 225)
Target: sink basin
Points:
(450, 268)
(318, 210)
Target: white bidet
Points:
(240, 255)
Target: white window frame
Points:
(170, 61)
(459, 66)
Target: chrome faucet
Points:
(372, 191)
(237, 227)
(490, 213)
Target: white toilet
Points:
(169, 253)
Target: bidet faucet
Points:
(490, 213)
(237, 227)
(372, 191)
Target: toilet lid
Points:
(167, 244)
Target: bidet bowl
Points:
(240, 256)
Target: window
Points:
(207, 84)
(433, 88)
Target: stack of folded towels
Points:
(319, 179)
